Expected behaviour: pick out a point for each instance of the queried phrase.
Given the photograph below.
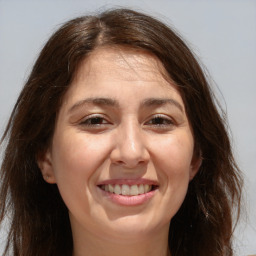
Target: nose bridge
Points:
(132, 138)
(130, 144)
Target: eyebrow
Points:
(150, 102)
(161, 101)
(95, 101)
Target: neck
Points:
(89, 244)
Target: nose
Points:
(130, 148)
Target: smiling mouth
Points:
(128, 190)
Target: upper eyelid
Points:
(91, 116)
(106, 118)
(167, 122)
(94, 115)
(163, 116)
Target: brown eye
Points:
(94, 121)
(160, 121)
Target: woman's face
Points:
(122, 150)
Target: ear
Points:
(44, 162)
(195, 165)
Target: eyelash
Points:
(98, 122)
(94, 121)
(163, 121)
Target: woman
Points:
(115, 145)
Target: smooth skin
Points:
(121, 119)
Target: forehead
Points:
(122, 64)
(123, 74)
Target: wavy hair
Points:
(39, 219)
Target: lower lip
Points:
(129, 200)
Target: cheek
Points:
(77, 160)
(174, 153)
(172, 160)
(77, 154)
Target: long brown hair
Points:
(39, 219)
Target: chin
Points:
(135, 226)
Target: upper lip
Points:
(128, 182)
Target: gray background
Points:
(221, 33)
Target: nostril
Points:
(119, 162)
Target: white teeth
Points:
(147, 188)
(141, 189)
(117, 190)
(110, 188)
(134, 191)
(127, 190)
